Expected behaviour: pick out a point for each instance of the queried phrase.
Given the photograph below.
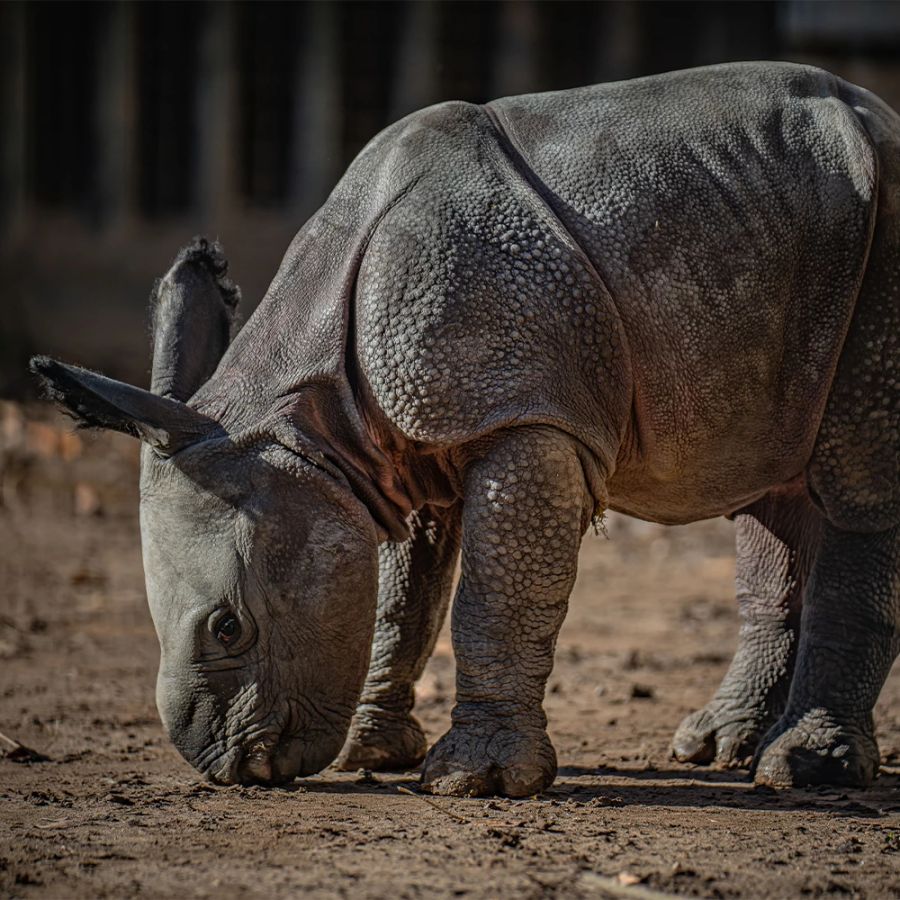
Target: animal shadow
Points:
(703, 788)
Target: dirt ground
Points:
(115, 812)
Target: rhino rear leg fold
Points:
(526, 506)
(775, 538)
(849, 639)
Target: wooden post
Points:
(215, 159)
(316, 156)
(515, 69)
(13, 150)
(619, 48)
(115, 117)
(415, 82)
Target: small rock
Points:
(642, 692)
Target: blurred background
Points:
(128, 127)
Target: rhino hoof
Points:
(716, 735)
(809, 752)
(464, 764)
(383, 744)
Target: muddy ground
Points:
(116, 813)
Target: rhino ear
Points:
(98, 402)
(192, 311)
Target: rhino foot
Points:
(722, 734)
(481, 762)
(814, 749)
(717, 735)
(382, 742)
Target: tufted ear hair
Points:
(98, 402)
(192, 311)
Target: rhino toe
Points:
(486, 762)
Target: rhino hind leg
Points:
(849, 639)
(853, 471)
(526, 507)
(775, 538)
(415, 578)
(849, 630)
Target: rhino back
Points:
(686, 248)
(729, 211)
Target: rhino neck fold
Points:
(325, 427)
(293, 358)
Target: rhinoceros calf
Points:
(676, 297)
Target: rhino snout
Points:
(252, 764)
(256, 766)
(267, 761)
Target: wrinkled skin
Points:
(255, 526)
(415, 579)
(288, 558)
(676, 297)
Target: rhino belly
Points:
(714, 490)
(732, 409)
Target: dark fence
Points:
(130, 126)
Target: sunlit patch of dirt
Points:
(116, 813)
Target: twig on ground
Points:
(433, 805)
(56, 824)
(18, 752)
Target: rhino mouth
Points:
(267, 760)
(271, 754)
(256, 766)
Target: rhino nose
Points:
(256, 766)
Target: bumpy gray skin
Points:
(415, 579)
(777, 538)
(676, 297)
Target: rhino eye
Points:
(227, 630)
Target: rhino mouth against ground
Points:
(268, 759)
(257, 763)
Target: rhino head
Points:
(260, 562)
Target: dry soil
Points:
(115, 812)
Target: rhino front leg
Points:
(848, 641)
(415, 578)
(526, 506)
(775, 540)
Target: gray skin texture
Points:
(676, 297)
(776, 541)
(415, 581)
